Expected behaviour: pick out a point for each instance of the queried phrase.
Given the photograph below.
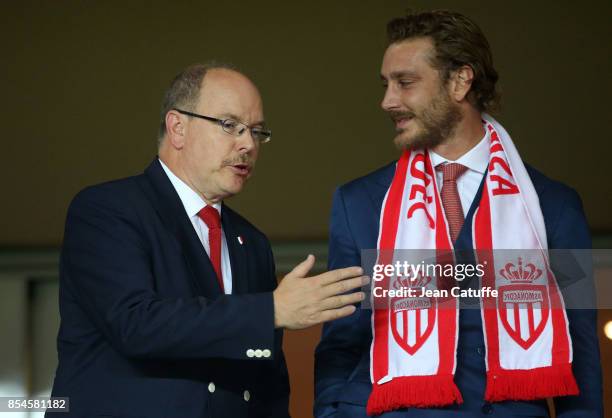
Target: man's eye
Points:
(257, 133)
(404, 83)
(230, 124)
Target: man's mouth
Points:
(241, 169)
(402, 121)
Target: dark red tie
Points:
(212, 219)
(450, 196)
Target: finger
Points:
(344, 286)
(340, 301)
(333, 314)
(302, 269)
(333, 276)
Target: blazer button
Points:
(250, 353)
(487, 408)
(211, 387)
(266, 353)
(258, 353)
(247, 395)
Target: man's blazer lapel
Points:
(377, 187)
(166, 202)
(238, 247)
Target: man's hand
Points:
(300, 301)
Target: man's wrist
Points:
(277, 320)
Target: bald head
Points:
(186, 87)
(229, 94)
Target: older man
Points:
(168, 298)
(459, 184)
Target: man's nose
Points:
(245, 142)
(391, 100)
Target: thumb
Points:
(302, 269)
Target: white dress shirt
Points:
(476, 160)
(193, 203)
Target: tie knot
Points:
(451, 171)
(210, 216)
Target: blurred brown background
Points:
(83, 81)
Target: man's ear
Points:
(175, 129)
(461, 82)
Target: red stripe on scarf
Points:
(390, 221)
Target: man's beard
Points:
(435, 124)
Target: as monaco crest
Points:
(412, 318)
(523, 307)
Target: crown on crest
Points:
(418, 281)
(520, 273)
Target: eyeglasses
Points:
(235, 128)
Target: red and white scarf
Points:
(528, 350)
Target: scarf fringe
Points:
(413, 391)
(539, 383)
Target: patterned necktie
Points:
(212, 219)
(450, 196)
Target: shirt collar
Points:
(475, 159)
(192, 202)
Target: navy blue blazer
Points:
(342, 360)
(145, 328)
